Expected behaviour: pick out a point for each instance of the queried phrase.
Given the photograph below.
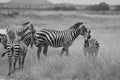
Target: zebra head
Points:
(27, 28)
(32, 31)
(82, 30)
(87, 35)
(3, 40)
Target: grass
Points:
(105, 28)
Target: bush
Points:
(13, 13)
(57, 8)
(117, 8)
(100, 7)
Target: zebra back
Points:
(57, 38)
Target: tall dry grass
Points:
(105, 28)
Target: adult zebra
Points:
(54, 38)
(16, 51)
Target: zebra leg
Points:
(10, 66)
(39, 51)
(20, 63)
(14, 66)
(23, 59)
(45, 50)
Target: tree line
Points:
(102, 6)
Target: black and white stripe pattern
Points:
(54, 38)
(26, 39)
(24, 28)
(27, 33)
(91, 47)
(16, 51)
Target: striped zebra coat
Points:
(54, 38)
(91, 47)
(23, 43)
(16, 51)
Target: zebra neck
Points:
(26, 38)
(27, 41)
(75, 34)
(26, 28)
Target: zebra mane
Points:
(76, 25)
(24, 24)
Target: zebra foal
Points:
(55, 38)
(91, 46)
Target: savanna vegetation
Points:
(105, 28)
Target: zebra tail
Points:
(4, 53)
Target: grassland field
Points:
(105, 28)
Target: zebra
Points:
(55, 38)
(24, 41)
(91, 46)
(16, 51)
(19, 45)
